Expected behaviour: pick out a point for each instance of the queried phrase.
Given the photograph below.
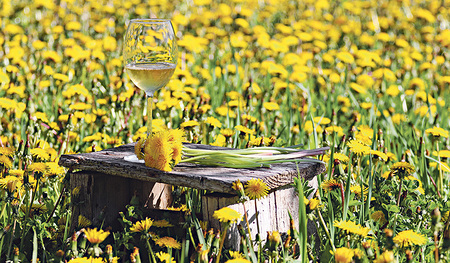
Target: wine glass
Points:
(150, 55)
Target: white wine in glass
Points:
(150, 76)
(150, 55)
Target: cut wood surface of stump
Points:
(217, 179)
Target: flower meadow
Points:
(369, 79)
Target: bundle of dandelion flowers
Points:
(162, 150)
(165, 149)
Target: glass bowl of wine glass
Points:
(150, 55)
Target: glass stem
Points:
(149, 115)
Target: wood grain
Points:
(101, 197)
(273, 214)
(217, 179)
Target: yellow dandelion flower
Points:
(393, 90)
(227, 132)
(7, 151)
(335, 129)
(391, 156)
(358, 88)
(352, 227)
(410, 238)
(219, 141)
(176, 137)
(256, 189)
(442, 154)
(378, 154)
(80, 106)
(237, 185)
(441, 166)
(83, 221)
(139, 148)
(158, 152)
(356, 189)
(38, 167)
(341, 157)
(164, 257)
(213, 122)
(345, 57)
(437, 132)
(168, 242)
(358, 148)
(366, 130)
(330, 185)
(95, 236)
(363, 139)
(142, 226)
(244, 129)
(16, 172)
(86, 260)
(181, 208)
(256, 141)
(162, 223)
(54, 169)
(321, 120)
(271, 106)
(5, 162)
(309, 127)
(227, 214)
(236, 254)
(313, 203)
(238, 260)
(343, 255)
(402, 169)
(189, 124)
(249, 118)
(9, 182)
(274, 236)
(386, 257)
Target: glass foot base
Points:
(133, 158)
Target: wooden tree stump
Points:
(107, 183)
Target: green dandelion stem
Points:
(327, 232)
(434, 184)
(28, 214)
(441, 177)
(57, 202)
(12, 237)
(246, 221)
(248, 158)
(3, 210)
(249, 151)
(257, 216)
(151, 255)
(341, 186)
(399, 192)
(222, 241)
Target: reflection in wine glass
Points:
(150, 57)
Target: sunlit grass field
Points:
(369, 79)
